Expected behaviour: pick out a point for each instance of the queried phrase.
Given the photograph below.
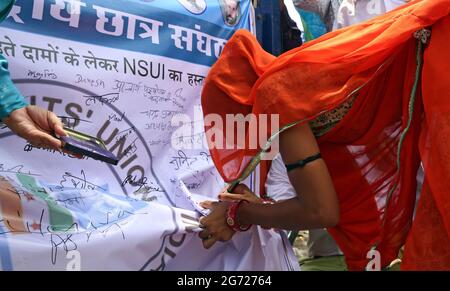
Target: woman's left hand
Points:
(215, 224)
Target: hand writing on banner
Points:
(242, 193)
(215, 225)
(36, 125)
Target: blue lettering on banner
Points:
(131, 27)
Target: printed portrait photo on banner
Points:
(194, 6)
(231, 11)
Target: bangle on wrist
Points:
(232, 214)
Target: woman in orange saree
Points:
(372, 154)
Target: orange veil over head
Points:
(373, 153)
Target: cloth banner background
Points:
(119, 71)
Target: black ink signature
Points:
(114, 117)
(16, 170)
(46, 74)
(132, 180)
(29, 147)
(93, 83)
(65, 240)
(79, 182)
(182, 159)
(72, 200)
(103, 99)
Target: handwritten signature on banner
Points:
(183, 159)
(17, 169)
(68, 237)
(102, 99)
(78, 182)
(44, 74)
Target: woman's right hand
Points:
(241, 192)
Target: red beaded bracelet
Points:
(231, 217)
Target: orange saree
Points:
(373, 153)
(428, 244)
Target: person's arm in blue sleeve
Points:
(33, 123)
(10, 98)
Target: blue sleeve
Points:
(10, 98)
(5, 7)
